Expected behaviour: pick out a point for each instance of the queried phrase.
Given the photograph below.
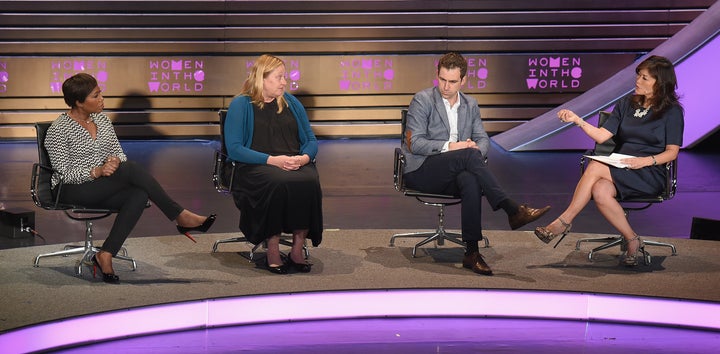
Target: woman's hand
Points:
(110, 166)
(289, 163)
(567, 115)
(635, 163)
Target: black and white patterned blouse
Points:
(73, 152)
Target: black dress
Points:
(642, 136)
(272, 200)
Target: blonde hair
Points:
(253, 86)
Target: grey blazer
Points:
(427, 127)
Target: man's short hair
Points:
(453, 60)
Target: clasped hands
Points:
(108, 168)
(467, 144)
(289, 163)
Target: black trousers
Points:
(127, 191)
(463, 173)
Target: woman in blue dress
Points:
(647, 124)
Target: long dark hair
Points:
(664, 95)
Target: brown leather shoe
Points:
(475, 262)
(526, 215)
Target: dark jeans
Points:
(463, 173)
(127, 191)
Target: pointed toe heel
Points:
(276, 269)
(109, 278)
(204, 227)
(299, 267)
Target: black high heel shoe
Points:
(300, 267)
(277, 269)
(200, 228)
(109, 278)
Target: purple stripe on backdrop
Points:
(694, 49)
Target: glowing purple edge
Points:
(244, 310)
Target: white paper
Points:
(612, 160)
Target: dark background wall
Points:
(167, 66)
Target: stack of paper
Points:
(612, 160)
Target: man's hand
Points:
(467, 144)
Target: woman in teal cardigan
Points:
(276, 185)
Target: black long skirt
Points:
(272, 200)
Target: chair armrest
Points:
(36, 189)
(222, 178)
(399, 170)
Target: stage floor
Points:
(357, 274)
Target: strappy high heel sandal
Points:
(631, 260)
(545, 235)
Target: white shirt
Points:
(452, 113)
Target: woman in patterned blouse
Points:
(94, 171)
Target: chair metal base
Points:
(439, 236)
(251, 257)
(87, 250)
(87, 253)
(612, 241)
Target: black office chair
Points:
(631, 204)
(439, 201)
(223, 176)
(41, 192)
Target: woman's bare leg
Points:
(296, 252)
(604, 194)
(104, 259)
(273, 251)
(594, 172)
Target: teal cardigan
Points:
(239, 126)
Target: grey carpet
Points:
(171, 268)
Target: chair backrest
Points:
(399, 171)
(607, 147)
(41, 186)
(223, 169)
(399, 158)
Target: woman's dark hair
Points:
(453, 60)
(664, 95)
(77, 87)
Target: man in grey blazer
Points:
(445, 146)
